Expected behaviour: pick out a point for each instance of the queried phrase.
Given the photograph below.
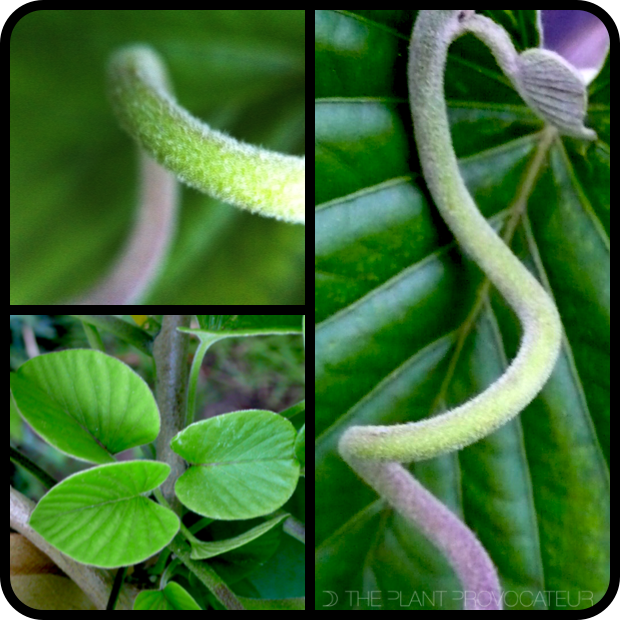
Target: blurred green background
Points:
(74, 177)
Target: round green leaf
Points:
(86, 403)
(102, 516)
(244, 464)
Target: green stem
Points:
(201, 351)
(246, 176)
(530, 370)
(206, 574)
(42, 476)
(202, 570)
(296, 409)
(94, 337)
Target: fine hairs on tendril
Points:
(247, 176)
(375, 453)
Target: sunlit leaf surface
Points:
(102, 516)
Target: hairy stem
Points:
(375, 452)
(246, 176)
(170, 352)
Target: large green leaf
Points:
(243, 464)
(86, 403)
(398, 339)
(102, 516)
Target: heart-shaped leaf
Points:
(102, 516)
(86, 403)
(244, 464)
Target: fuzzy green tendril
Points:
(557, 94)
(246, 176)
